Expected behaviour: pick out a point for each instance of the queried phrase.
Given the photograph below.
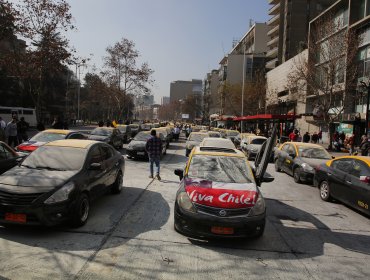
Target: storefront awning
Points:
(267, 117)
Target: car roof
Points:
(73, 143)
(256, 137)
(305, 144)
(363, 158)
(200, 133)
(122, 125)
(218, 152)
(59, 131)
(217, 143)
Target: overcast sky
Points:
(180, 39)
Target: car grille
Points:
(216, 211)
(7, 198)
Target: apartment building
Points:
(211, 100)
(288, 27)
(245, 60)
(179, 90)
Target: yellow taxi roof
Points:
(73, 143)
(197, 151)
(59, 131)
(305, 144)
(122, 125)
(362, 158)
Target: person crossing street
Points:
(154, 150)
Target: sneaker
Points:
(151, 176)
(158, 177)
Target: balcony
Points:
(274, 10)
(273, 42)
(272, 53)
(273, 31)
(274, 21)
(272, 64)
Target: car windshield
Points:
(101, 132)
(312, 152)
(220, 169)
(122, 129)
(197, 137)
(258, 141)
(142, 137)
(56, 158)
(48, 136)
(146, 127)
(232, 133)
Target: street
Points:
(132, 236)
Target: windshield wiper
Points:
(27, 166)
(50, 168)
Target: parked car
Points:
(346, 179)
(217, 143)
(253, 145)
(9, 157)
(146, 127)
(194, 139)
(232, 135)
(136, 148)
(47, 136)
(58, 181)
(135, 128)
(125, 132)
(109, 135)
(219, 195)
(300, 160)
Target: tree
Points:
(122, 72)
(329, 76)
(41, 23)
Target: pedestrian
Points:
(320, 136)
(57, 123)
(101, 124)
(176, 133)
(2, 123)
(22, 127)
(293, 135)
(364, 145)
(315, 137)
(306, 137)
(11, 131)
(154, 149)
(351, 144)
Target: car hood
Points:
(313, 162)
(98, 137)
(33, 180)
(221, 195)
(136, 144)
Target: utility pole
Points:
(243, 87)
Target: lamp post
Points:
(243, 86)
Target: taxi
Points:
(193, 140)
(346, 179)
(219, 194)
(57, 182)
(300, 159)
(47, 136)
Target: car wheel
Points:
(297, 175)
(325, 191)
(81, 211)
(116, 188)
(277, 168)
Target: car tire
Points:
(277, 168)
(116, 187)
(325, 191)
(81, 211)
(297, 175)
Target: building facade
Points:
(179, 90)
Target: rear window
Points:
(258, 141)
(220, 169)
(197, 137)
(47, 136)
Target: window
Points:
(107, 152)
(76, 136)
(359, 169)
(344, 165)
(95, 155)
(5, 153)
(286, 148)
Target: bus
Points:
(29, 114)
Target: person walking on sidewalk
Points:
(154, 150)
(12, 132)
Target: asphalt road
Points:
(131, 236)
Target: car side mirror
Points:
(95, 166)
(267, 178)
(180, 173)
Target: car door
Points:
(7, 158)
(96, 177)
(358, 186)
(109, 164)
(337, 176)
(289, 160)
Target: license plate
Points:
(222, 230)
(19, 218)
(140, 153)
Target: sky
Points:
(179, 39)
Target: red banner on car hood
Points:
(222, 198)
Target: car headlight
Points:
(185, 203)
(259, 208)
(306, 167)
(61, 194)
(189, 147)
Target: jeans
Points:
(155, 160)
